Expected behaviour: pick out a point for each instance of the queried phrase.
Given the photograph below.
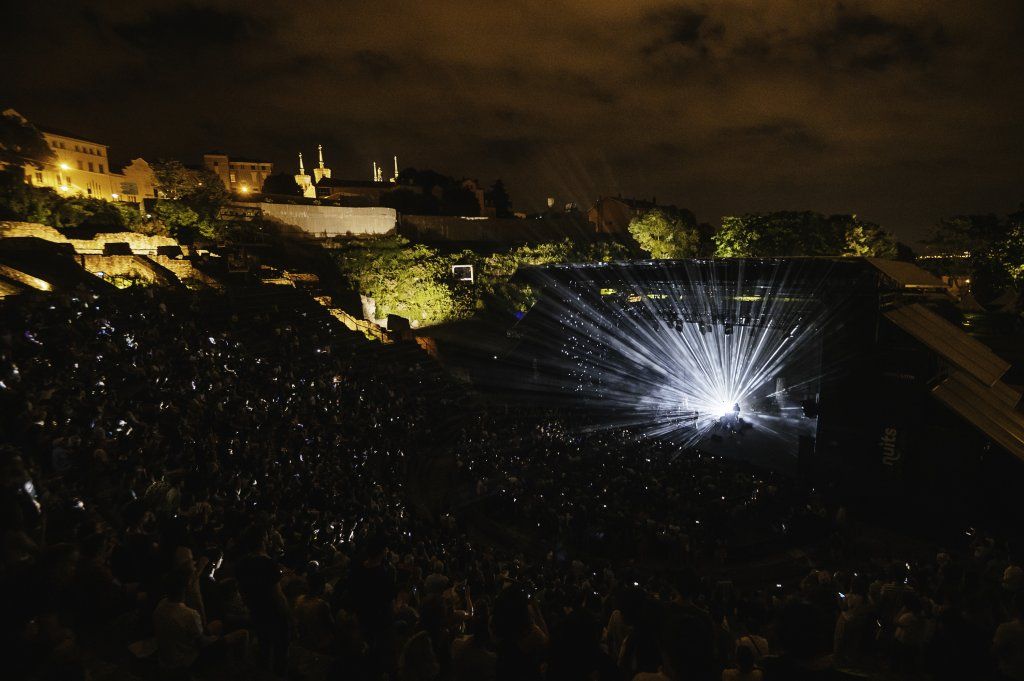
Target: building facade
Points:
(239, 175)
(80, 167)
(136, 182)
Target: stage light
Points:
(665, 377)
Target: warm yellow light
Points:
(115, 196)
(63, 187)
(65, 166)
(244, 190)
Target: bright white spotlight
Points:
(725, 407)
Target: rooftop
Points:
(49, 130)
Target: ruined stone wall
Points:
(135, 266)
(141, 244)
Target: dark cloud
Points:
(862, 40)
(680, 24)
(187, 28)
(897, 110)
(681, 31)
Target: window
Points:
(39, 178)
(101, 167)
(253, 168)
(55, 144)
(90, 166)
(232, 177)
(99, 152)
(76, 148)
(88, 190)
(216, 163)
(80, 165)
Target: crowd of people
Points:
(193, 490)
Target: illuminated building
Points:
(135, 183)
(80, 167)
(239, 175)
(321, 185)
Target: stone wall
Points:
(182, 268)
(439, 228)
(330, 221)
(140, 244)
(135, 266)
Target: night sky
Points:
(898, 111)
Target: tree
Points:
(967, 234)
(281, 183)
(801, 233)
(181, 222)
(410, 202)
(21, 144)
(495, 272)
(498, 197)
(23, 202)
(411, 280)
(868, 240)
(664, 235)
(978, 246)
(459, 200)
(189, 192)
(1008, 251)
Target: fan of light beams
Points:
(680, 348)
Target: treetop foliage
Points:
(416, 281)
(21, 144)
(190, 201)
(804, 233)
(666, 235)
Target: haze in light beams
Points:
(672, 355)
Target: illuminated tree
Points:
(804, 233)
(186, 192)
(664, 235)
(180, 221)
(869, 240)
(411, 280)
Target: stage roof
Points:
(986, 407)
(907, 274)
(950, 341)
